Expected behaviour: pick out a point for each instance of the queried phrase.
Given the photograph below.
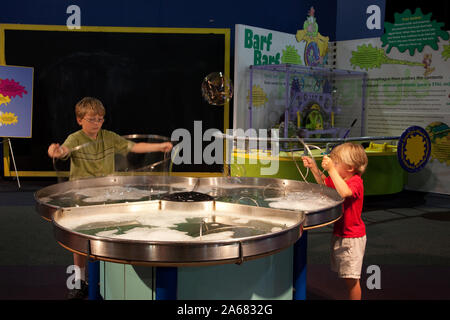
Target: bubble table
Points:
(163, 237)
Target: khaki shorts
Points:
(347, 256)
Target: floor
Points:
(407, 255)
(408, 237)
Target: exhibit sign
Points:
(16, 101)
(258, 46)
(408, 85)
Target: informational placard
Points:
(16, 101)
(258, 46)
(408, 85)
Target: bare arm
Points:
(144, 147)
(339, 183)
(308, 163)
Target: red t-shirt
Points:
(350, 225)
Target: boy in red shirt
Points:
(345, 165)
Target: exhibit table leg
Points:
(300, 255)
(166, 283)
(94, 280)
(257, 279)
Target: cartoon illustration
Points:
(414, 149)
(316, 44)
(368, 57)
(427, 63)
(4, 100)
(312, 107)
(259, 97)
(446, 52)
(9, 89)
(404, 33)
(440, 140)
(8, 118)
(290, 55)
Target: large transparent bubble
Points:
(217, 89)
(141, 163)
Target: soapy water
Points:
(269, 197)
(109, 195)
(306, 201)
(152, 224)
(115, 193)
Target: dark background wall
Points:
(168, 113)
(281, 15)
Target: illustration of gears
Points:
(414, 149)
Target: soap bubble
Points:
(217, 89)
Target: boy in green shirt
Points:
(95, 158)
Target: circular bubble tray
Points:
(163, 220)
(167, 232)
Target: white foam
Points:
(217, 236)
(72, 221)
(162, 234)
(102, 194)
(157, 225)
(108, 233)
(152, 234)
(241, 221)
(301, 202)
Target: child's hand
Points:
(327, 163)
(307, 162)
(56, 151)
(166, 146)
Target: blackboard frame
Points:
(131, 30)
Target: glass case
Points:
(308, 102)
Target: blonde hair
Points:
(352, 155)
(89, 104)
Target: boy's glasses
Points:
(93, 120)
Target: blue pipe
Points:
(94, 280)
(300, 255)
(166, 283)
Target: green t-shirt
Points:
(96, 159)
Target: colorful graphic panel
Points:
(16, 101)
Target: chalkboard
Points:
(148, 79)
